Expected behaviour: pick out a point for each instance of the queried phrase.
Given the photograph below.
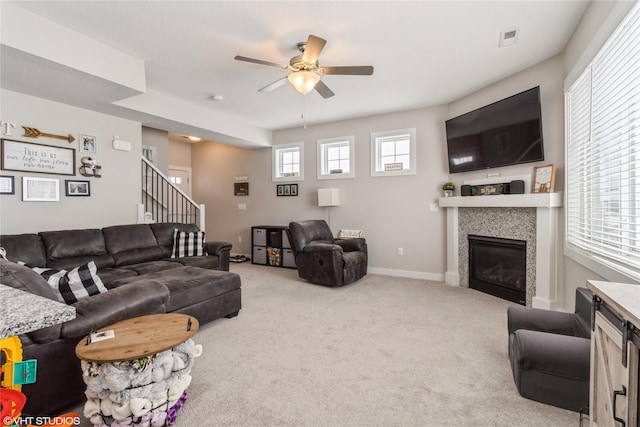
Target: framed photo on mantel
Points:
(544, 179)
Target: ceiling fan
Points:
(305, 70)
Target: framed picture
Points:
(40, 189)
(544, 179)
(37, 158)
(88, 143)
(287, 190)
(74, 188)
(7, 184)
(240, 188)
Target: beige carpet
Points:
(380, 352)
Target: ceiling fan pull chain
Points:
(304, 125)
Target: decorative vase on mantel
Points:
(448, 188)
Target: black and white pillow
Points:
(187, 243)
(72, 286)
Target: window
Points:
(336, 158)
(393, 153)
(603, 156)
(149, 153)
(288, 162)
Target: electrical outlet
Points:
(242, 207)
(239, 239)
(400, 251)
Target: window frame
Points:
(376, 156)
(277, 175)
(322, 161)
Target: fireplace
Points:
(498, 267)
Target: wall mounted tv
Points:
(507, 132)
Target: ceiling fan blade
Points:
(259, 61)
(363, 70)
(274, 85)
(313, 48)
(323, 90)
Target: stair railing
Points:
(163, 201)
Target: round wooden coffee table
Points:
(134, 348)
(139, 337)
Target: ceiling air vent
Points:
(508, 38)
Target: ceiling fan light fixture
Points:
(304, 81)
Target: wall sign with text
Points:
(38, 158)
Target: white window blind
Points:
(603, 153)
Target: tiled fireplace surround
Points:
(528, 217)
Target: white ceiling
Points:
(424, 52)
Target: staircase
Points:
(162, 201)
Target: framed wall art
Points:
(37, 158)
(73, 188)
(40, 189)
(7, 184)
(88, 143)
(240, 188)
(287, 190)
(544, 179)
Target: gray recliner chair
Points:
(324, 260)
(550, 353)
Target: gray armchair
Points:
(550, 353)
(324, 260)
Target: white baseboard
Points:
(436, 277)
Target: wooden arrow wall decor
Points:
(35, 133)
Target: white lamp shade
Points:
(328, 197)
(303, 81)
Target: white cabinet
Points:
(615, 344)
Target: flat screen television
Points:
(507, 132)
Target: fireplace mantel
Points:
(546, 283)
(543, 200)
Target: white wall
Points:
(160, 140)
(393, 212)
(113, 197)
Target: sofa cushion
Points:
(206, 261)
(72, 286)
(151, 267)
(132, 244)
(109, 275)
(187, 243)
(27, 248)
(118, 304)
(188, 285)
(101, 261)
(67, 244)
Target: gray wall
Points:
(393, 212)
(113, 197)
